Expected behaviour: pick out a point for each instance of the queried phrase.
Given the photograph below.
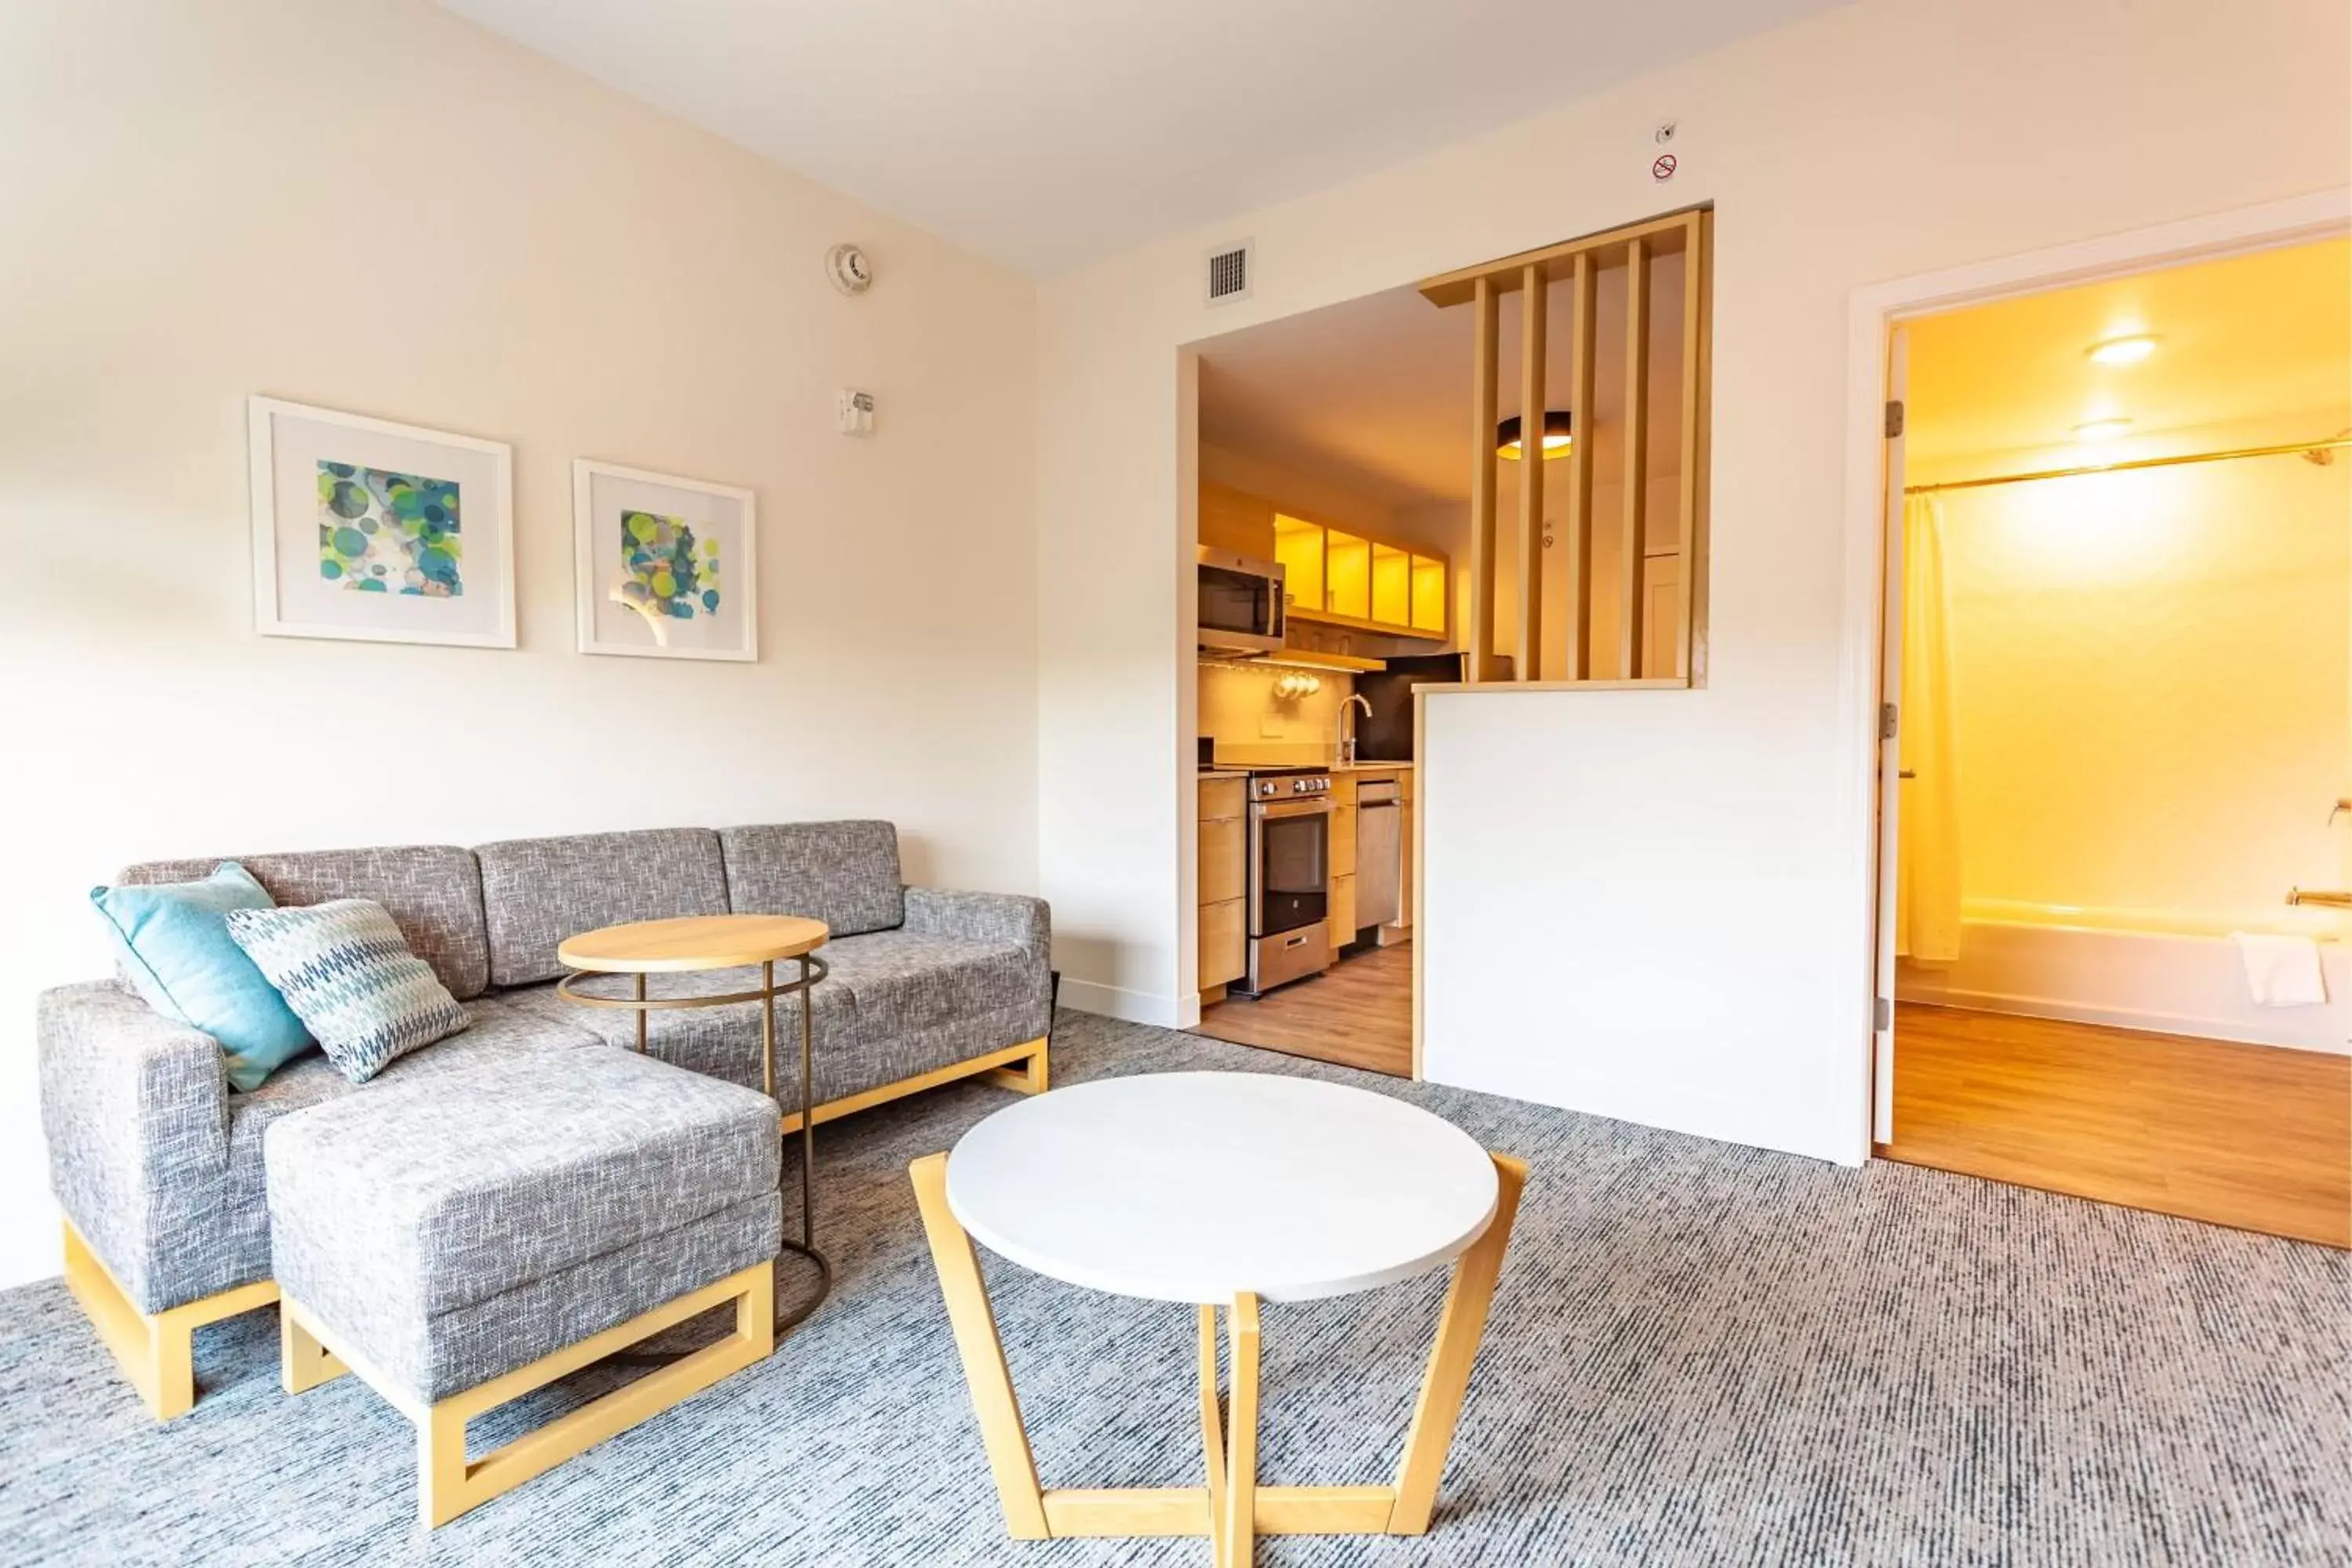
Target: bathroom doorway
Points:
(2118, 621)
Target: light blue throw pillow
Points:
(173, 942)
(347, 972)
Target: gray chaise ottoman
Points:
(464, 1242)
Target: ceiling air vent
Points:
(1229, 273)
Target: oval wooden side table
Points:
(693, 943)
(1220, 1190)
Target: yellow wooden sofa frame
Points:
(156, 1351)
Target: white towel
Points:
(2281, 971)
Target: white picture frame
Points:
(302, 582)
(619, 609)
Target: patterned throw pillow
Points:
(349, 976)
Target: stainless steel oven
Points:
(1290, 879)
(1239, 603)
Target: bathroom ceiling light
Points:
(1558, 435)
(2101, 429)
(2128, 349)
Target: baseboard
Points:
(2116, 1019)
(1130, 1006)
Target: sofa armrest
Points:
(134, 1108)
(982, 917)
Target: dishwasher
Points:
(1380, 853)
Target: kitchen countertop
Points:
(1227, 772)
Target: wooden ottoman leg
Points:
(1439, 1406)
(303, 1363)
(449, 1482)
(993, 1403)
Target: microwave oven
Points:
(1239, 603)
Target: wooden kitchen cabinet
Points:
(1342, 912)
(1224, 851)
(1343, 841)
(1223, 881)
(1224, 942)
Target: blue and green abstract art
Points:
(670, 572)
(383, 532)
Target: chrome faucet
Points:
(1343, 745)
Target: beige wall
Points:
(1888, 139)
(374, 207)
(2151, 674)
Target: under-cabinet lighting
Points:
(2101, 429)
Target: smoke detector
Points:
(851, 272)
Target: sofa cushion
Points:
(433, 892)
(393, 1211)
(538, 891)
(342, 968)
(172, 942)
(908, 981)
(843, 873)
(723, 1042)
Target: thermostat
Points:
(856, 411)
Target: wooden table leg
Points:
(1236, 1526)
(1439, 1406)
(1212, 1429)
(992, 1399)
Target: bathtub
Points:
(2133, 969)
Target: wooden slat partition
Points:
(1584, 293)
(1529, 663)
(1631, 599)
(1579, 263)
(1690, 532)
(1483, 401)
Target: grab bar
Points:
(2327, 900)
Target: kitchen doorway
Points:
(1333, 519)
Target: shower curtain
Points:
(1928, 861)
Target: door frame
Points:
(1873, 312)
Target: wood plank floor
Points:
(2247, 1136)
(1358, 1012)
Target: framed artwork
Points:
(666, 568)
(379, 533)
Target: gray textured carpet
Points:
(1699, 1354)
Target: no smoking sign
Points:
(1663, 167)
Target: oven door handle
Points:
(1319, 806)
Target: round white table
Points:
(1221, 1190)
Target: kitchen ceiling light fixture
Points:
(1559, 435)
(2129, 348)
(2101, 429)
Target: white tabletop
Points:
(1196, 1186)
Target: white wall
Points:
(1892, 138)
(2149, 674)
(377, 207)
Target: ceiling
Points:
(2249, 341)
(1374, 394)
(1047, 133)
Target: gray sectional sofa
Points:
(158, 1166)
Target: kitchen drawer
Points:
(1343, 789)
(1224, 858)
(1225, 942)
(1223, 797)
(1343, 910)
(1343, 841)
